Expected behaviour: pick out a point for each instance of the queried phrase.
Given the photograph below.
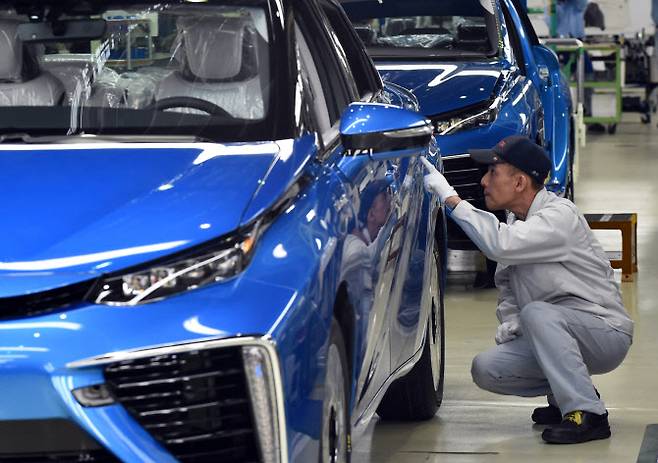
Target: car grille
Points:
(44, 302)
(196, 403)
(465, 175)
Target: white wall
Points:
(640, 16)
(621, 16)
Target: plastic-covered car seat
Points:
(74, 71)
(220, 61)
(22, 82)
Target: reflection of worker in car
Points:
(561, 313)
(361, 245)
(374, 210)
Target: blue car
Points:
(215, 241)
(480, 75)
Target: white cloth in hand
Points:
(508, 331)
(436, 183)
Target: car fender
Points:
(556, 101)
(557, 117)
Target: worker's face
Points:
(500, 185)
(379, 211)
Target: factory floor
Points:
(615, 173)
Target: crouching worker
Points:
(560, 311)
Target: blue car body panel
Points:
(293, 306)
(461, 84)
(123, 211)
(558, 109)
(119, 218)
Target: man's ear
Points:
(520, 181)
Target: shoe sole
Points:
(596, 435)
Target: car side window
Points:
(515, 40)
(331, 75)
(365, 75)
(311, 77)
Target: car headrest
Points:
(475, 33)
(11, 51)
(211, 48)
(394, 26)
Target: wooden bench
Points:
(627, 224)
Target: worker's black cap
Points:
(519, 151)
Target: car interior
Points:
(463, 26)
(220, 59)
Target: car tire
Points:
(418, 395)
(334, 440)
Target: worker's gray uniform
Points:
(553, 274)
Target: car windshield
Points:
(425, 28)
(166, 68)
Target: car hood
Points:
(442, 88)
(72, 212)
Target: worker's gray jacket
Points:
(552, 256)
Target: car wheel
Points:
(418, 394)
(335, 417)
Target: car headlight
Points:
(190, 271)
(467, 120)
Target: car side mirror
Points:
(384, 131)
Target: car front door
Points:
(405, 174)
(370, 247)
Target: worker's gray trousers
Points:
(556, 354)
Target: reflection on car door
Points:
(408, 249)
(372, 248)
(404, 200)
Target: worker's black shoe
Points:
(551, 414)
(547, 415)
(577, 427)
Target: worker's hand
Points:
(436, 183)
(508, 331)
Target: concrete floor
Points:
(616, 173)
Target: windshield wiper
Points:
(17, 137)
(22, 137)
